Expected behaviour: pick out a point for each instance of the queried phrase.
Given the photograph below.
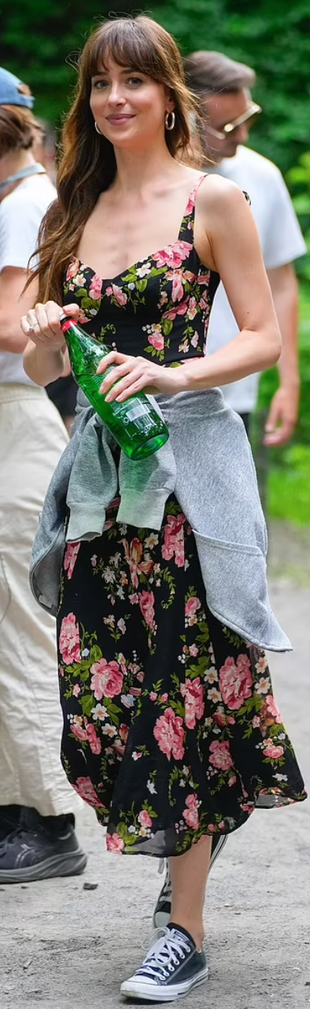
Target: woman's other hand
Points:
(134, 374)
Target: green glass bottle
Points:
(135, 423)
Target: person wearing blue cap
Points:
(37, 835)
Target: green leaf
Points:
(167, 326)
(87, 703)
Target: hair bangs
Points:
(127, 44)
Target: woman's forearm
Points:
(246, 354)
(44, 366)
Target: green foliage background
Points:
(273, 36)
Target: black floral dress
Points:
(171, 730)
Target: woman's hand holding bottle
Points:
(42, 324)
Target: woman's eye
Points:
(99, 84)
(135, 80)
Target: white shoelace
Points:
(165, 954)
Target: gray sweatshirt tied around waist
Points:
(207, 463)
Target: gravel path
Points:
(63, 946)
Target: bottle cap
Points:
(63, 316)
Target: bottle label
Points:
(138, 410)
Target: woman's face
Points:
(129, 107)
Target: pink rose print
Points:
(190, 205)
(174, 539)
(93, 739)
(123, 732)
(191, 606)
(221, 756)
(256, 722)
(144, 818)
(76, 690)
(273, 751)
(118, 294)
(178, 310)
(204, 278)
(95, 287)
(153, 695)
(73, 268)
(193, 650)
(192, 691)
(178, 279)
(192, 307)
(78, 731)
(69, 640)
(247, 807)
(191, 813)
(85, 789)
(107, 679)
(273, 709)
(157, 340)
(70, 558)
(134, 555)
(173, 255)
(147, 600)
(236, 681)
(169, 732)
(115, 843)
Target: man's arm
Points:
(283, 411)
(14, 304)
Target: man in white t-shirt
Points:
(37, 805)
(227, 112)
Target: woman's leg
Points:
(189, 874)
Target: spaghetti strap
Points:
(190, 208)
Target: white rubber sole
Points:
(157, 993)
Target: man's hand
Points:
(282, 415)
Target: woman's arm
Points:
(226, 230)
(13, 302)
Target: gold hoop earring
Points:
(170, 120)
(97, 128)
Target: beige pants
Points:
(32, 438)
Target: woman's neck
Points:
(137, 171)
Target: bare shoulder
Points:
(218, 196)
(223, 217)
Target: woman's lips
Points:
(119, 119)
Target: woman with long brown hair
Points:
(171, 731)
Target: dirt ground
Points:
(65, 946)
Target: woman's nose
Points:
(116, 96)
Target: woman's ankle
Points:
(195, 929)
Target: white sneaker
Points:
(170, 970)
(162, 911)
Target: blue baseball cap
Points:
(10, 93)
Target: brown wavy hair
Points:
(16, 129)
(88, 164)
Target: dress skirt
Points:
(171, 730)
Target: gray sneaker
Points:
(42, 847)
(162, 912)
(172, 967)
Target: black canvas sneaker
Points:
(170, 970)
(40, 848)
(162, 912)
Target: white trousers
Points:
(32, 438)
